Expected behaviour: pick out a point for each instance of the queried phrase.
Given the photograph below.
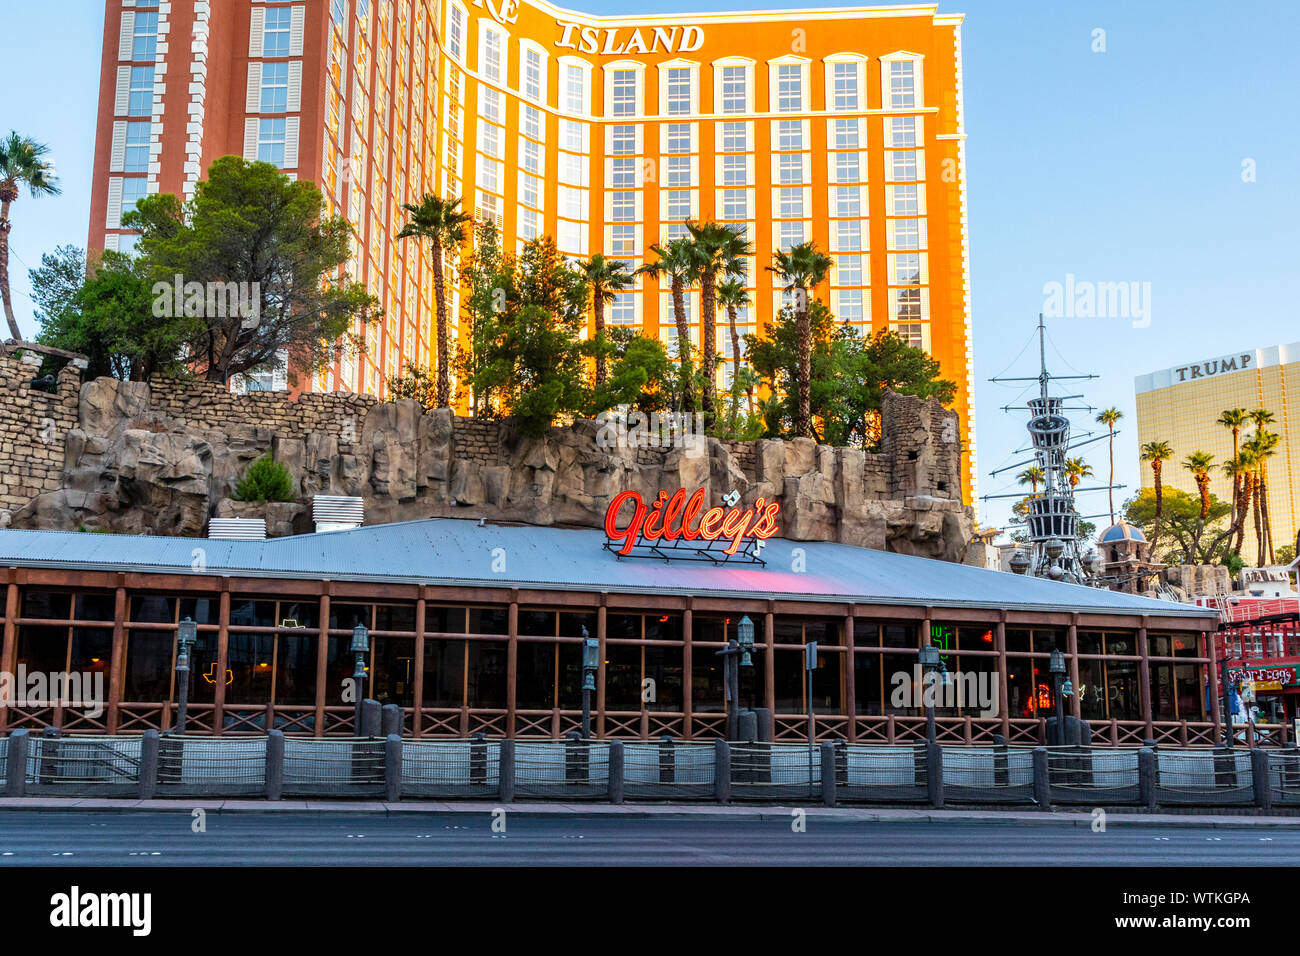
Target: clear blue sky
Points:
(1116, 166)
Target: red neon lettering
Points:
(630, 534)
(673, 517)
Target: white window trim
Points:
(733, 61)
(618, 66)
(524, 45)
(841, 58)
(918, 74)
(679, 64)
(805, 84)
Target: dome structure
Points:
(1122, 531)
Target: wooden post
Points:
(417, 691)
(10, 641)
(1004, 705)
(512, 662)
(850, 679)
(600, 671)
(688, 660)
(1144, 678)
(223, 648)
(1214, 677)
(322, 660)
(116, 659)
(769, 663)
(1072, 651)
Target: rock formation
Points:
(164, 458)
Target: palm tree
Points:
(733, 296)
(607, 278)
(22, 163)
(1241, 469)
(1263, 446)
(800, 269)
(442, 223)
(677, 261)
(1234, 419)
(1076, 468)
(1032, 476)
(1157, 452)
(1108, 417)
(1199, 464)
(719, 251)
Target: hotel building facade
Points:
(1181, 405)
(843, 127)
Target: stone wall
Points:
(33, 427)
(163, 458)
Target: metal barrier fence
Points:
(830, 772)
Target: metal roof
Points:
(450, 551)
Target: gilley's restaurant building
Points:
(479, 627)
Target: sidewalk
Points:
(1072, 817)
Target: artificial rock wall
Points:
(162, 458)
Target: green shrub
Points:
(266, 480)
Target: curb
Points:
(973, 817)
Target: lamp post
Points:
(590, 664)
(1056, 664)
(737, 654)
(187, 632)
(360, 648)
(930, 663)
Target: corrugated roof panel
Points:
(461, 552)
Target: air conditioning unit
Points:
(335, 513)
(237, 529)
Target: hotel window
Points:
(456, 33)
(489, 138)
(530, 224)
(902, 165)
(275, 88)
(790, 169)
(847, 168)
(622, 206)
(902, 84)
(531, 121)
(844, 92)
(530, 190)
(848, 202)
(905, 200)
(789, 88)
(735, 204)
(908, 303)
(735, 137)
(270, 141)
(789, 135)
(912, 333)
(622, 310)
(848, 234)
(902, 131)
(489, 104)
(144, 40)
(573, 136)
(850, 305)
(275, 32)
(532, 74)
(573, 169)
(848, 270)
(845, 134)
(623, 96)
(141, 91)
(530, 157)
(575, 90)
(789, 235)
(735, 170)
(677, 205)
(677, 138)
(734, 98)
(789, 204)
(137, 148)
(678, 84)
(133, 190)
(491, 55)
(907, 268)
(489, 175)
(622, 172)
(623, 141)
(622, 240)
(906, 233)
(678, 174)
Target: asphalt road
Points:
(90, 838)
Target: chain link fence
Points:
(562, 769)
(775, 771)
(992, 774)
(1088, 775)
(450, 769)
(865, 773)
(83, 766)
(669, 770)
(333, 768)
(1284, 776)
(1204, 777)
(207, 766)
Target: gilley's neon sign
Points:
(676, 518)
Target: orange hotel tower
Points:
(843, 126)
